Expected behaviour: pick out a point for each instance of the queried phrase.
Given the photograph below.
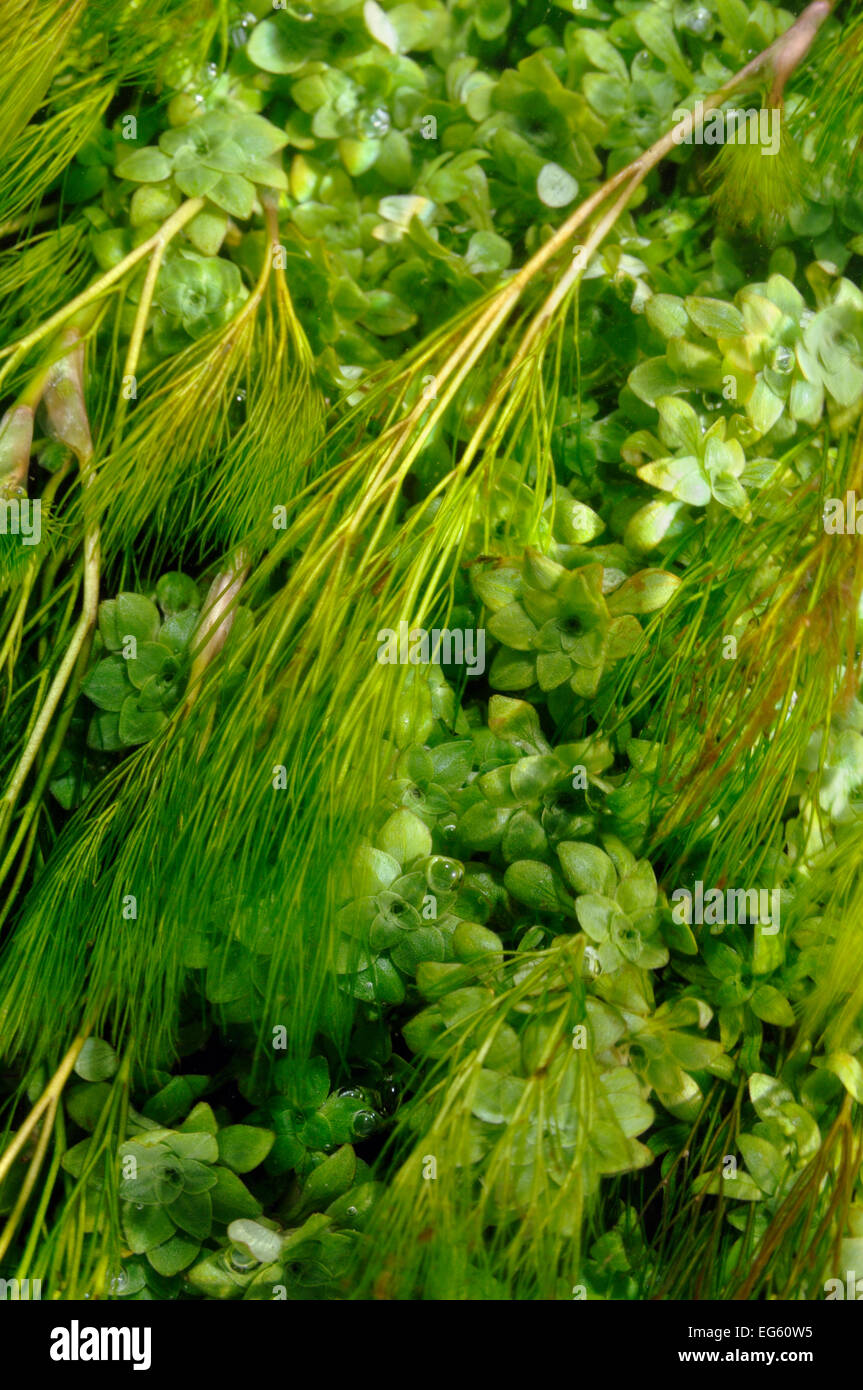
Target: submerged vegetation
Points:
(430, 633)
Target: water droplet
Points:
(698, 20)
(139, 1206)
(241, 1259)
(212, 71)
(351, 1211)
(120, 1282)
(782, 360)
(240, 396)
(642, 58)
(365, 1122)
(449, 829)
(710, 403)
(379, 120)
(442, 875)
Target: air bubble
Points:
(241, 1260)
(442, 875)
(782, 360)
(698, 20)
(379, 121)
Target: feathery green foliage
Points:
(325, 336)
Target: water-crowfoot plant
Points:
(369, 975)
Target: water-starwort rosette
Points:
(366, 979)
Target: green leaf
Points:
(684, 477)
(654, 28)
(207, 232)
(231, 1198)
(715, 317)
(678, 424)
(243, 1147)
(586, 868)
(306, 1083)
(176, 592)
(772, 1006)
(739, 1186)
(511, 626)
(234, 194)
(330, 1179)
(193, 1213)
(197, 1146)
(596, 915)
(491, 18)
(151, 659)
(104, 733)
(666, 313)
(278, 48)
(654, 378)
(97, 1060)
(149, 165)
(146, 1227)
(176, 1254)
(496, 1097)
(533, 883)
(645, 592)
(107, 684)
(379, 26)
(849, 1071)
(138, 724)
(405, 837)
(177, 631)
(768, 1095)
(764, 1162)
(86, 1103)
(200, 1120)
(108, 629)
(555, 187)
(135, 616)
(196, 180)
(487, 253)
(174, 1099)
(372, 871)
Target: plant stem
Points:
(216, 621)
(169, 228)
(49, 1097)
(30, 1178)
